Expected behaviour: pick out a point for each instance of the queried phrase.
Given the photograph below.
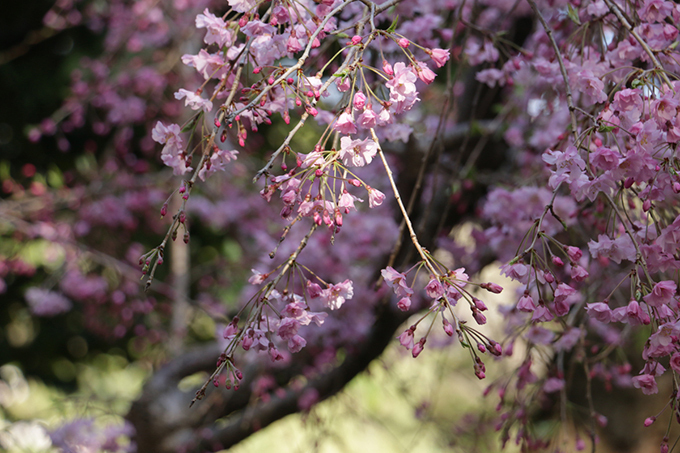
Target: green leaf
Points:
(573, 14)
(393, 26)
(192, 124)
(4, 170)
(55, 177)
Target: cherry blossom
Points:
(357, 152)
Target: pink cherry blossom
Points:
(367, 119)
(359, 100)
(357, 152)
(439, 56)
(424, 72)
(242, 6)
(193, 100)
(646, 383)
(402, 85)
(404, 303)
(397, 281)
(288, 328)
(296, 343)
(336, 295)
(172, 154)
(406, 339)
(662, 293)
(600, 311)
(375, 197)
(345, 124)
(434, 288)
(526, 304)
(217, 31)
(675, 362)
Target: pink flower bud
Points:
(492, 287)
(418, 348)
(404, 43)
(356, 39)
(649, 421)
(359, 100)
(404, 303)
(479, 317)
(448, 327)
(646, 205)
(574, 253)
(387, 68)
(439, 56)
(164, 210)
(481, 306)
(257, 70)
(557, 261)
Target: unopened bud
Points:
(481, 306)
(418, 347)
(492, 287)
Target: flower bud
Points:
(418, 347)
